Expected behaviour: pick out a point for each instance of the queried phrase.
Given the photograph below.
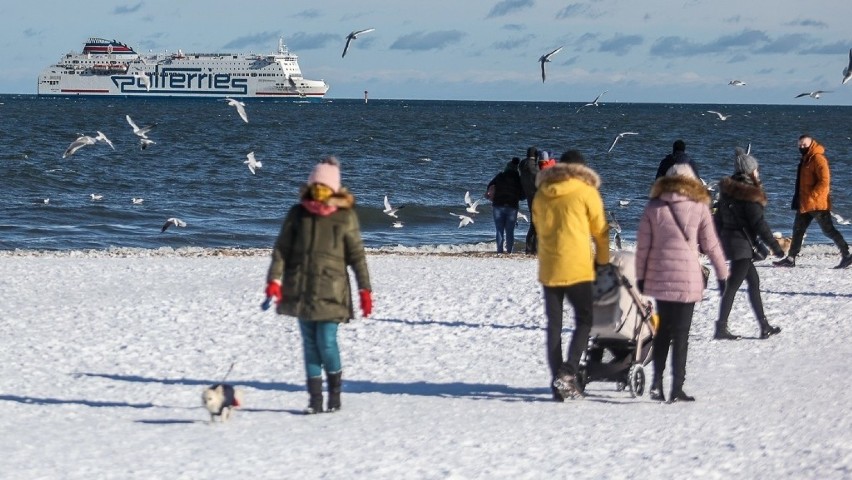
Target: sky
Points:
(651, 51)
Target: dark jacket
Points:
(311, 256)
(528, 169)
(739, 217)
(676, 157)
(507, 188)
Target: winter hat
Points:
(327, 172)
(511, 166)
(572, 156)
(678, 146)
(681, 169)
(516, 161)
(532, 152)
(743, 162)
(543, 155)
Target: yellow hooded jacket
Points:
(568, 214)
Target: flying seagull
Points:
(840, 220)
(619, 136)
(353, 36)
(471, 206)
(546, 58)
(139, 132)
(397, 224)
(465, 220)
(252, 162)
(145, 143)
(173, 221)
(594, 102)
(814, 94)
(390, 210)
(847, 72)
(240, 106)
(143, 78)
(737, 83)
(721, 116)
(523, 217)
(84, 140)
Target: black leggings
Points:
(675, 321)
(742, 269)
(580, 297)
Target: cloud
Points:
(734, 19)
(738, 58)
(577, 10)
(311, 41)
(256, 40)
(515, 27)
(807, 22)
(620, 44)
(31, 33)
(670, 47)
(765, 71)
(506, 7)
(513, 43)
(122, 9)
(837, 48)
(309, 13)
(571, 61)
(419, 41)
(786, 43)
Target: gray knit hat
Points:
(743, 162)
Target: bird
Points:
(173, 221)
(137, 201)
(546, 58)
(847, 72)
(721, 116)
(465, 220)
(623, 203)
(390, 210)
(396, 224)
(594, 102)
(240, 106)
(737, 83)
(523, 217)
(141, 77)
(616, 228)
(84, 140)
(96, 196)
(471, 206)
(353, 36)
(252, 162)
(815, 94)
(748, 150)
(139, 132)
(46, 201)
(840, 220)
(619, 136)
(145, 143)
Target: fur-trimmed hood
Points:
(565, 171)
(742, 190)
(689, 187)
(343, 198)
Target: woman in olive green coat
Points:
(308, 276)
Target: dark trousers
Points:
(580, 297)
(823, 218)
(742, 269)
(675, 320)
(530, 244)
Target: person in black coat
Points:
(528, 171)
(508, 193)
(740, 222)
(678, 155)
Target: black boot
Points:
(722, 332)
(315, 391)
(679, 396)
(656, 392)
(767, 330)
(335, 385)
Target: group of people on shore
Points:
(320, 239)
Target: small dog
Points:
(220, 399)
(783, 241)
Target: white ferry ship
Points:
(110, 68)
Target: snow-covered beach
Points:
(104, 355)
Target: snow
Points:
(104, 354)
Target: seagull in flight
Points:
(523, 217)
(145, 143)
(737, 83)
(84, 140)
(546, 58)
(173, 221)
(139, 132)
(471, 206)
(814, 94)
(619, 136)
(396, 224)
(465, 220)
(353, 36)
(240, 106)
(721, 116)
(847, 72)
(252, 162)
(594, 102)
(390, 210)
(840, 220)
(142, 78)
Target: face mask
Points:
(804, 150)
(320, 192)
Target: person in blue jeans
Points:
(507, 195)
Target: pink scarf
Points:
(318, 208)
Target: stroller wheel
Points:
(636, 380)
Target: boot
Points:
(767, 330)
(722, 332)
(335, 385)
(679, 396)
(845, 260)
(786, 262)
(315, 391)
(656, 392)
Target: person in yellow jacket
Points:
(568, 214)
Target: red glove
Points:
(273, 290)
(366, 302)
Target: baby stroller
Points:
(620, 342)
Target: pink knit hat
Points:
(327, 173)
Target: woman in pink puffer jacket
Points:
(675, 224)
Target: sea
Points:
(423, 155)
